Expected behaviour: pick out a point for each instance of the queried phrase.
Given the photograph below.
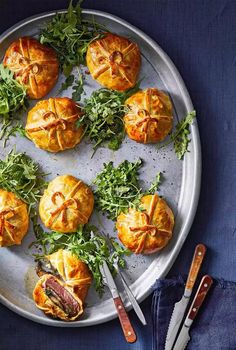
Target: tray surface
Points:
(180, 188)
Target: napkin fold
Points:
(215, 325)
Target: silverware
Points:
(129, 293)
(202, 291)
(180, 306)
(108, 280)
(131, 297)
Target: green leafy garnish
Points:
(118, 189)
(103, 113)
(77, 85)
(69, 35)
(180, 137)
(12, 98)
(155, 184)
(21, 175)
(84, 247)
(103, 117)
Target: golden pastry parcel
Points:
(150, 116)
(14, 219)
(34, 65)
(65, 204)
(114, 61)
(148, 230)
(61, 293)
(51, 124)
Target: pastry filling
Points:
(61, 297)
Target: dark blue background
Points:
(200, 37)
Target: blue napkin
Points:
(215, 325)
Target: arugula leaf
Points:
(78, 88)
(180, 137)
(77, 85)
(21, 175)
(118, 189)
(12, 98)
(84, 247)
(103, 117)
(155, 184)
(67, 83)
(69, 35)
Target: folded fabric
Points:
(215, 325)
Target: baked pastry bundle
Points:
(51, 124)
(14, 219)
(148, 230)
(34, 65)
(150, 117)
(65, 204)
(114, 61)
(61, 294)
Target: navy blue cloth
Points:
(200, 38)
(215, 325)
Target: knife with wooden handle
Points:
(131, 297)
(108, 280)
(127, 328)
(202, 291)
(180, 306)
(128, 331)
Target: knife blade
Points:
(180, 306)
(127, 328)
(201, 293)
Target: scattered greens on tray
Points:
(12, 98)
(21, 175)
(118, 188)
(155, 184)
(69, 35)
(180, 137)
(103, 117)
(83, 246)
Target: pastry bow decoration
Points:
(53, 123)
(64, 203)
(147, 228)
(115, 61)
(33, 64)
(149, 111)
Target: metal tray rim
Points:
(197, 168)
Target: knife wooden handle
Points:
(202, 291)
(128, 330)
(199, 254)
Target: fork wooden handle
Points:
(127, 328)
(199, 254)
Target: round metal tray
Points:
(180, 188)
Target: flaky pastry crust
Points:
(34, 65)
(51, 124)
(114, 61)
(74, 272)
(147, 231)
(65, 204)
(150, 116)
(46, 304)
(14, 219)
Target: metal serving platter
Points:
(180, 188)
